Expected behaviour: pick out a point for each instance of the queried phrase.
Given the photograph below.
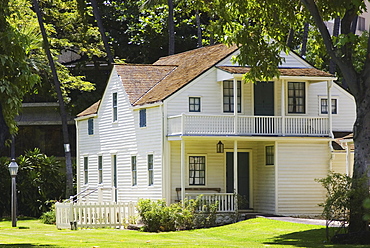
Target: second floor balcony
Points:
(203, 125)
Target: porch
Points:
(191, 124)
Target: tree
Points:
(17, 76)
(260, 29)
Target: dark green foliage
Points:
(5, 187)
(157, 216)
(49, 217)
(39, 181)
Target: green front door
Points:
(243, 177)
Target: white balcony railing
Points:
(247, 125)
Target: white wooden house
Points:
(156, 131)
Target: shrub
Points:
(48, 217)
(157, 216)
(338, 193)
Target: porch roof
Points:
(299, 72)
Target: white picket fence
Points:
(95, 215)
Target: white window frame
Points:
(100, 169)
(86, 169)
(205, 170)
(90, 126)
(143, 113)
(336, 98)
(241, 96)
(150, 170)
(200, 104)
(114, 106)
(134, 181)
(273, 156)
(287, 97)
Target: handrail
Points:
(74, 198)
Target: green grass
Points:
(259, 232)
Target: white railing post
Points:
(182, 123)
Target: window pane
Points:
(197, 170)
(114, 103)
(296, 97)
(90, 124)
(142, 116)
(194, 104)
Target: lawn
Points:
(259, 232)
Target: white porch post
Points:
(182, 170)
(235, 167)
(235, 92)
(283, 107)
(329, 85)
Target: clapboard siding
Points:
(123, 139)
(264, 181)
(215, 165)
(345, 118)
(206, 87)
(299, 164)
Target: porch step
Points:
(247, 214)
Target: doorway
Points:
(243, 178)
(264, 98)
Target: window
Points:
(194, 104)
(150, 170)
(115, 107)
(134, 170)
(142, 116)
(86, 170)
(228, 96)
(324, 106)
(197, 170)
(100, 169)
(114, 175)
(269, 153)
(361, 23)
(90, 126)
(296, 98)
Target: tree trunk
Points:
(304, 39)
(199, 28)
(102, 31)
(171, 28)
(361, 137)
(63, 115)
(4, 130)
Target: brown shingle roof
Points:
(93, 109)
(190, 65)
(308, 72)
(138, 79)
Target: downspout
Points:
(330, 117)
(331, 135)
